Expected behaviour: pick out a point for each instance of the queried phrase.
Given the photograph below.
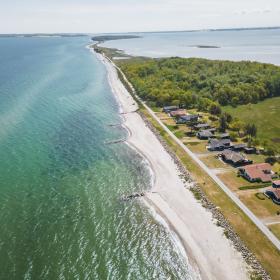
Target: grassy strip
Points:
(254, 239)
(255, 187)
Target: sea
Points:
(61, 181)
(262, 45)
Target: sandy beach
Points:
(206, 246)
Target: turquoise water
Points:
(255, 45)
(60, 185)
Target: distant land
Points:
(205, 47)
(210, 29)
(104, 38)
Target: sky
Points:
(100, 16)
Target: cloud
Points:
(134, 15)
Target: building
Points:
(178, 113)
(168, 109)
(250, 150)
(219, 144)
(274, 192)
(224, 136)
(276, 184)
(234, 158)
(205, 135)
(238, 147)
(202, 126)
(257, 172)
(187, 119)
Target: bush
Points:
(233, 136)
(260, 196)
(271, 160)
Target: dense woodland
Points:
(201, 83)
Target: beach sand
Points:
(208, 249)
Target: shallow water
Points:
(60, 211)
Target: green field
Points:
(265, 115)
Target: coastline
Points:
(204, 242)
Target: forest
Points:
(200, 83)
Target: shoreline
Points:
(213, 254)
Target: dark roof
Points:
(205, 133)
(170, 107)
(215, 142)
(202, 125)
(219, 144)
(239, 146)
(189, 117)
(234, 157)
(224, 135)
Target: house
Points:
(257, 172)
(213, 129)
(205, 135)
(168, 109)
(224, 136)
(187, 119)
(218, 145)
(178, 113)
(202, 126)
(276, 184)
(250, 150)
(234, 158)
(238, 147)
(274, 192)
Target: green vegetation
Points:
(254, 187)
(201, 83)
(211, 86)
(266, 116)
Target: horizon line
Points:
(156, 31)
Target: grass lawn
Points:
(265, 115)
(275, 229)
(265, 252)
(276, 168)
(212, 162)
(260, 204)
(232, 180)
(197, 147)
(256, 158)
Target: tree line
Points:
(200, 83)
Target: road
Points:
(217, 180)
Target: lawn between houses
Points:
(265, 115)
(265, 252)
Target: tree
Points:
(251, 130)
(223, 123)
(215, 109)
(237, 126)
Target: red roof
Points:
(276, 192)
(277, 182)
(259, 171)
(178, 113)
